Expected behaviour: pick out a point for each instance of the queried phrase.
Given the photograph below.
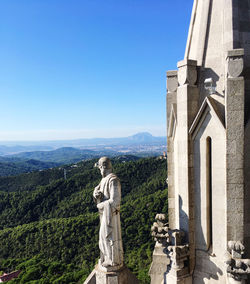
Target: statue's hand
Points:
(96, 190)
(100, 205)
(98, 196)
(97, 193)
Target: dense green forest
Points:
(15, 166)
(49, 222)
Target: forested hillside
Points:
(27, 162)
(64, 155)
(49, 227)
(15, 166)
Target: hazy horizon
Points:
(75, 139)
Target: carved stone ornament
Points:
(235, 63)
(178, 255)
(235, 67)
(160, 230)
(175, 250)
(187, 73)
(237, 267)
(172, 81)
(182, 76)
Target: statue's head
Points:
(105, 166)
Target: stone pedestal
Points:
(102, 276)
(159, 264)
(170, 279)
(234, 281)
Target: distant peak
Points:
(142, 134)
(142, 137)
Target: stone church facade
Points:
(207, 238)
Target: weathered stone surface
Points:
(171, 130)
(121, 276)
(159, 264)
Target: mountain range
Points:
(143, 139)
(31, 156)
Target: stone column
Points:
(234, 105)
(235, 144)
(172, 84)
(187, 107)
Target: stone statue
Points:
(108, 198)
(107, 195)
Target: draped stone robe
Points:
(110, 240)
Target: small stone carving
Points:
(187, 72)
(172, 81)
(209, 87)
(235, 63)
(237, 267)
(178, 237)
(108, 197)
(236, 249)
(160, 230)
(178, 255)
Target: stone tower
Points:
(207, 239)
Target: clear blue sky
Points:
(87, 68)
